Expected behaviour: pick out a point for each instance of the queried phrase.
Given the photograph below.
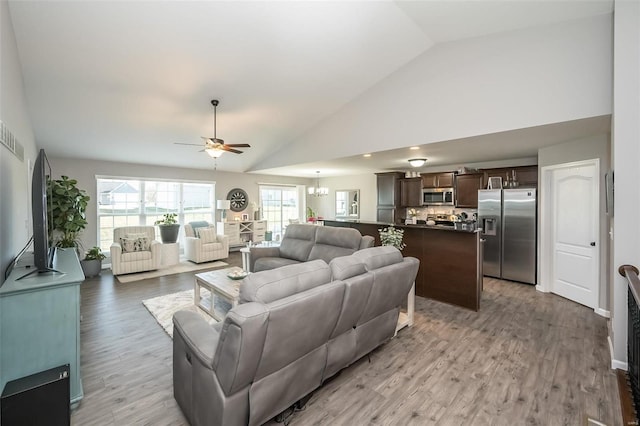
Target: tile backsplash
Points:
(422, 212)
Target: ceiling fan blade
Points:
(191, 144)
(226, 148)
(238, 145)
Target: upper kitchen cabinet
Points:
(467, 187)
(411, 192)
(525, 176)
(388, 209)
(438, 180)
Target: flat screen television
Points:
(40, 209)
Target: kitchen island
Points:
(450, 260)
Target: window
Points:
(280, 204)
(134, 202)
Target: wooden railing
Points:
(630, 403)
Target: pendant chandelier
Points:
(318, 191)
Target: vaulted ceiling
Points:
(124, 81)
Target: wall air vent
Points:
(11, 142)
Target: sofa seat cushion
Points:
(279, 283)
(265, 263)
(136, 255)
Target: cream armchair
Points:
(205, 247)
(134, 249)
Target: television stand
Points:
(40, 322)
(39, 271)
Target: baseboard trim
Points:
(541, 289)
(602, 312)
(616, 364)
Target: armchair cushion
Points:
(197, 225)
(207, 235)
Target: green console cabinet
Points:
(40, 322)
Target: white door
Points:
(574, 195)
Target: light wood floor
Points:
(525, 358)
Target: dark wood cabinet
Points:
(389, 196)
(526, 176)
(438, 180)
(411, 192)
(467, 189)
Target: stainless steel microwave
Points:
(437, 197)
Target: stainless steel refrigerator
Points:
(508, 221)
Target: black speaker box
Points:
(40, 399)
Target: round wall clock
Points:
(238, 198)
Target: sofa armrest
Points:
(199, 336)
(258, 252)
(116, 255)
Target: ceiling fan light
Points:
(417, 162)
(214, 153)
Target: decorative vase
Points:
(91, 268)
(256, 215)
(169, 233)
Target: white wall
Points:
(626, 155)
(15, 193)
(366, 183)
(85, 172)
(596, 146)
(473, 87)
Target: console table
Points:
(40, 322)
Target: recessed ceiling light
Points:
(414, 148)
(367, 155)
(417, 162)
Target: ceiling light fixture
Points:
(417, 162)
(318, 191)
(367, 155)
(214, 152)
(413, 148)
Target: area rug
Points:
(184, 266)
(162, 308)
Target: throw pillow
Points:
(208, 235)
(134, 244)
(197, 225)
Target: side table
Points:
(405, 319)
(169, 254)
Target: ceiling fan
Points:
(216, 147)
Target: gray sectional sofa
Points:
(295, 327)
(302, 242)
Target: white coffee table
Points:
(224, 291)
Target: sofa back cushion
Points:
(334, 242)
(298, 241)
(393, 276)
(274, 284)
(294, 356)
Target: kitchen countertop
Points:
(439, 227)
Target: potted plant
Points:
(169, 228)
(392, 236)
(92, 262)
(311, 215)
(67, 218)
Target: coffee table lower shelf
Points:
(224, 293)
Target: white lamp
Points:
(223, 205)
(417, 162)
(214, 152)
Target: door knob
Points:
(592, 244)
